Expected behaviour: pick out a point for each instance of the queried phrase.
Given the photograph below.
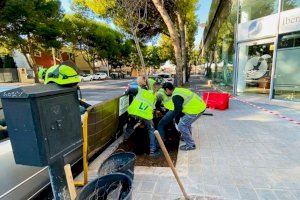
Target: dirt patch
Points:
(138, 143)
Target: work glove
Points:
(176, 126)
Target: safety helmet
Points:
(62, 75)
(42, 73)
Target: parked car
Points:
(85, 77)
(99, 76)
(167, 77)
(157, 78)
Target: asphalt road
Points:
(97, 91)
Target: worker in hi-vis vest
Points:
(142, 108)
(188, 106)
(167, 109)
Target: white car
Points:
(99, 76)
(167, 77)
(85, 77)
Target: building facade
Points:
(255, 46)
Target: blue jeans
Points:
(164, 122)
(185, 128)
(150, 127)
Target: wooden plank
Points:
(70, 182)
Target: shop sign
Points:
(123, 104)
(289, 21)
(259, 28)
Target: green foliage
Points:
(28, 25)
(4, 49)
(166, 51)
(128, 15)
(9, 62)
(95, 40)
(152, 57)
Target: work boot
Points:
(155, 154)
(187, 148)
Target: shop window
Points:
(254, 9)
(287, 75)
(289, 40)
(290, 4)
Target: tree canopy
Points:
(95, 40)
(30, 25)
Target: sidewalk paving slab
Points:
(242, 153)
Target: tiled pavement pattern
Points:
(242, 153)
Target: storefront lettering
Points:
(291, 20)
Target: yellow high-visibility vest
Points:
(193, 104)
(143, 104)
(166, 100)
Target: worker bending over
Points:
(188, 106)
(142, 108)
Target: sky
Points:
(66, 4)
(202, 15)
(201, 12)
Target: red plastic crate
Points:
(216, 100)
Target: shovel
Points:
(170, 163)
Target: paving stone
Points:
(259, 182)
(165, 197)
(136, 185)
(162, 187)
(284, 195)
(210, 179)
(230, 192)
(147, 186)
(143, 196)
(174, 189)
(196, 178)
(296, 193)
(247, 193)
(264, 194)
(195, 189)
(226, 180)
(242, 182)
(212, 190)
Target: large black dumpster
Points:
(122, 162)
(115, 186)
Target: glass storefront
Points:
(287, 74)
(255, 67)
(254, 9)
(224, 53)
(290, 4)
(253, 64)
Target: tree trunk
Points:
(87, 61)
(216, 70)
(107, 65)
(53, 56)
(94, 65)
(174, 38)
(32, 64)
(138, 48)
(183, 45)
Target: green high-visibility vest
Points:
(143, 104)
(193, 104)
(166, 100)
(151, 83)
